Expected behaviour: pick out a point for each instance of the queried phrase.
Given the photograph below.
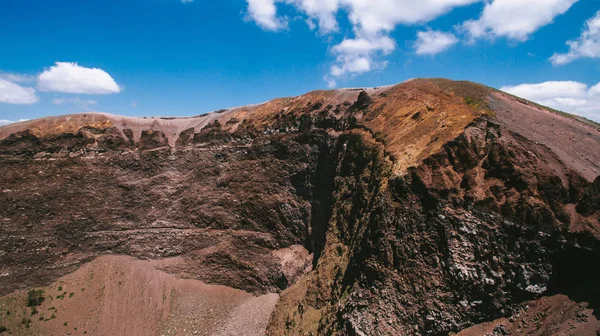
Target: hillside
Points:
(425, 208)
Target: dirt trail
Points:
(115, 295)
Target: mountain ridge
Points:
(423, 208)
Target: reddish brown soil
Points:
(574, 142)
(123, 296)
(555, 315)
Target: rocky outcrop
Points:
(416, 209)
(466, 236)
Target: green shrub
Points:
(35, 297)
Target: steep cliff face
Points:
(468, 235)
(423, 208)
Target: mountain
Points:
(426, 208)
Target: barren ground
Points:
(116, 295)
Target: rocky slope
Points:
(430, 207)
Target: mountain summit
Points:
(426, 208)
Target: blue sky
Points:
(174, 58)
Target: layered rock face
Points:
(425, 208)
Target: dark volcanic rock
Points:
(423, 209)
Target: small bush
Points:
(3, 329)
(26, 322)
(35, 297)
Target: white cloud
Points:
(567, 96)
(12, 93)
(264, 13)
(355, 56)
(372, 22)
(321, 11)
(515, 19)
(433, 42)
(373, 17)
(72, 78)
(365, 46)
(331, 82)
(7, 122)
(586, 46)
(17, 78)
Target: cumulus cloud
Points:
(264, 13)
(567, 96)
(12, 93)
(355, 56)
(515, 19)
(433, 42)
(73, 78)
(586, 46)
(372, 22)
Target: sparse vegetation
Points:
(35, 297)
(26, 322)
